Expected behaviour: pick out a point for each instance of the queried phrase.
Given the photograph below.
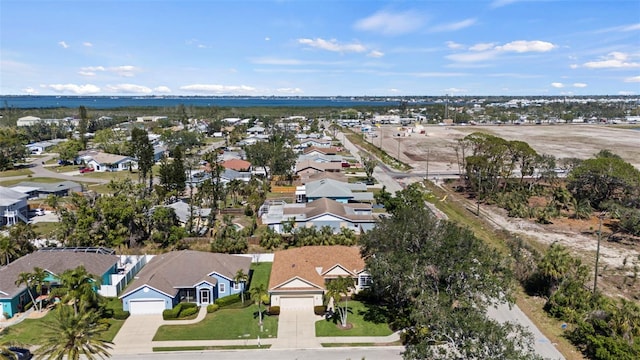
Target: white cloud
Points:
(125, 70)
(632, 79)
(393, 90)
(455, 90)
(622, 92)
(63, 44)
(87, 44)
(218, 89)
(375, 54)
(129, 89)
(522, 46)
(557, 85)
(162, 89)
(487, 51)
(454, 45)
(482, 47)
(87, 73)
(501, 3)
(580, 85)
(622, 28)
(613, 60)
(573, 66)
(333, 45)
(267, 38)
(453, 26)
(276, 61)
(390, 23)
(30, 91)
(73, 88)
(290, 91)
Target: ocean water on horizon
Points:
(111, 102)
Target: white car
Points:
(38, 212)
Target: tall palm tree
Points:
(257, 293)
(38, 279)
(26, 278)
(77, 286)
(72, 336)
(8, 250)
(336, 290)
(554, 265)
(241, 277)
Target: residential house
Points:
(256, 130)
(150, 118)
(317, 143)
(333, 189)
(187, 275)
(159, 151)
(313, 150)
(13, 206)
(102, 162)
(42, 190)
(309, 167)
(97, 261)
(322, 212)
(322, 158)
(338, 176)
(39, 147)
(237, 165)
(183, 211)
(299, 276)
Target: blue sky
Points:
(320, 48)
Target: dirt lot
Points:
(581, 141)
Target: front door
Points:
(204, 296)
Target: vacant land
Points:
(436, 145)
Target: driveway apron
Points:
(296, 330)
(136, 334)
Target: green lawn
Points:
(47, 180)
(360, 327)
(45, 228)
(15, 172)
(233, 322)
(113, 175)
(29, 332)
(201, 348)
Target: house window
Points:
(236, 286)
(364, 280)
(221, 288)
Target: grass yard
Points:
(113, 175)
(34, 179)
(202, 348)
(15, 172)
(224, 324)
(361, 327)
(45, 228)
(229, 323)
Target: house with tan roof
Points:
(299, 275)
(237, 165)
(101, 161)
(321, 150)
(309, 167)
(318, 143)
(184, 276)
(358, 217)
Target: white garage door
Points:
(296, 303)
(141, 307)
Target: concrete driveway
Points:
(136, 334)
(296, 330)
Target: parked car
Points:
(86, 170)
(19, 353)
(38, 212)
(64, 162)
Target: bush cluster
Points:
(320, 309)
(274, 310)
(179, 311)
(120, 314)
(228, 300)
(211, 308)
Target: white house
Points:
(13, 206)
(102, 162)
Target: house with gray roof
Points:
(43, 190)
(55, 261)
(184, 276)
(13, 206)
(318, 213)
(333, 189)
(101, 161)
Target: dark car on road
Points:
(17, 353)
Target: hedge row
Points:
(180, 310)
(120, 314)
(274, 310)
(212, 308)
(320, 309)
(228, 300)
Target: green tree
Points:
(74, 336)
(78, 287)
(241, 278)
(140, 148)
(172, 174)
(12, 148)
(338, 289)
(112, 141)
(257, 293)
(437, 281)
(369, 163)
(9, 250)
(557, 265)
(26, 278)
(68, 150)
(83, 125)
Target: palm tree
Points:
(257, 293)
(8, 250)
(26, 278)
(241, 277)
(336, 289)
(77, 286)
(6, 354)
(38, 280)
(72, 336)
(554, 265)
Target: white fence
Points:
(131, 264)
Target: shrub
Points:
(274, 310)
(266, 299)
(320, 309)
(188, 311)
(228, 300)
(188, 305)
(171, 314)
(120, 314)
(28, 306)
(211, 308)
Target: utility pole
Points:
(478, 193)
(595, 278)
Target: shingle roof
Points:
(236, 164)
(305, 164)
(52, 187)
(327, 206)
(327, 151)
(338, 176)
(55, 262)
(183, 269)
(309, 262)
(10, 197)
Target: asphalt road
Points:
(369, 353)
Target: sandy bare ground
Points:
(563, 141)
(436, 147)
